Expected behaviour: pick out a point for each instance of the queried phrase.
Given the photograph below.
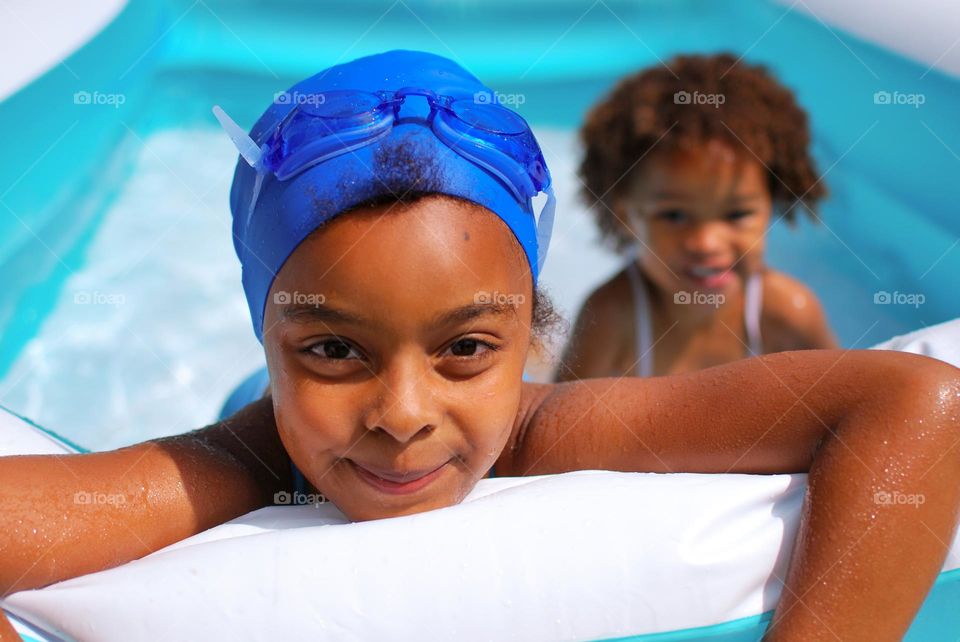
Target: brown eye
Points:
(465, 347)
(333, 349)
(672, 216)
(470, 348)
(738, 215)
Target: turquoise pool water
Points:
(122, 315)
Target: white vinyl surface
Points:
(36, 35)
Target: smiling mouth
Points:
(709, 276)
(398, 482)
(704, 272)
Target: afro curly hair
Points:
(659, 108)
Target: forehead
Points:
(431, 253)
(714, 167)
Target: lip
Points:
(713, 282)
(394, 483)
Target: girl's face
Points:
(701, 213)
(396, 339)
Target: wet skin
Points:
(402, 392)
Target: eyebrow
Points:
(474, 311)
(317, 313)
(307, 313)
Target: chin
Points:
(366, 505)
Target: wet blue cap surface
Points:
(288, 211)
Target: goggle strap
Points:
(248, 148)
(545, 227)
(257, 184)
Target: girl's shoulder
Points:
(792, 317)
(601, 332)
(612, 298)
(531, 398)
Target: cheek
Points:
(310, 419)
(484, 409)
(663, 240)
(488, 418)
(310, 423)
(483, 418)
(663, 252)
(750, 244)
(751, 239)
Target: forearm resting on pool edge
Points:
(69, 515)
(881, 507)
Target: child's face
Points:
(702, 213)
(396, 381)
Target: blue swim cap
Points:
(271, 217)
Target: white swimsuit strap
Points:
(752, 308)
(644, 329)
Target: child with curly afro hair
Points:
(685, 167)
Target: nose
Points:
(705, 238)
(406, 404)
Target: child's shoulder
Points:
(612, 296)
(607, 312)
(531, 398)
(792, 317)
(601, 330)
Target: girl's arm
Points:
(878, 432)
(6, 630)
(67, 515)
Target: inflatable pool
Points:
(121, 235)
(119, 278)
(554, 557)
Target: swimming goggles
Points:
(325, 125)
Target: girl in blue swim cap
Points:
(362, 221)
(390, 252)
